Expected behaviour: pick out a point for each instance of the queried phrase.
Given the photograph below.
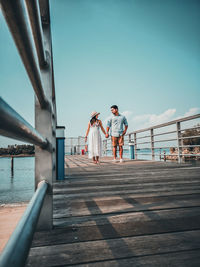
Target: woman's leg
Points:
(94, 160)
(97, 157)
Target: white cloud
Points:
(192, 111)
(147, 120)
(127, 113)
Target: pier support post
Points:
(12, 166)
(132, 150)
(60, 153)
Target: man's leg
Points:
(121, 152)
(114, 152)
(114, 144)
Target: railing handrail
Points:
(166, 124)
(14, 126)
(36, 25)
(17, 248)
(17, 20)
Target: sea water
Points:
(17, 186)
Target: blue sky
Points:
(143, 55)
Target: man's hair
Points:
(114, 106)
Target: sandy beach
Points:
(10, 215)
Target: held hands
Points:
(107, 135)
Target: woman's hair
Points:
(93, 120)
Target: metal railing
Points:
(164, 141)
(30, 20)
(27, 19)
(17, 248)
(75, 145)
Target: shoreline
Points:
(17, 156)
(14, 204)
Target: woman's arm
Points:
(88, 129)
(100, 123)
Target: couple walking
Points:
(117, 124)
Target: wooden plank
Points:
(183, 259)
(130, 180)
(112, 249)
(122, 205)
(129, 188)
(102, 218)
(121, 225)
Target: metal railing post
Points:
(178, 130)
(78, 146)
(45, 121)
(105, 146)
(135, 147)
(152, 144)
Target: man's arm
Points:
(125, 129)
(108, 127)
(125, 126)
(107, 132)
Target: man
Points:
(118, 126)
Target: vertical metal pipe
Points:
(78, 146)
(178, 130)
(135, 147)
(152, 144)
(129, 138)
(12, 166)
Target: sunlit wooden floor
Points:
(136, 213)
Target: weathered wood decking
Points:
(137, 213)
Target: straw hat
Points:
(94, 113)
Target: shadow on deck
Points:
(138, 213)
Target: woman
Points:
(94, 142)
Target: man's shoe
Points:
(114, 160)
(121, 160)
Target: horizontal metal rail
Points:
(36, 25)
(14, 126)
(192, 128)
(143, 137)
(16, 250)
(190, 146)
(168, 123)
(190, 137)
(17, 20)
(165, 133)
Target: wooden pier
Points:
(136, 213)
